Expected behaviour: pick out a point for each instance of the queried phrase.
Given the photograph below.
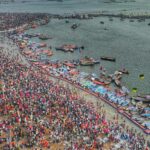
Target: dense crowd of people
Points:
(13, 20)
(38, 113)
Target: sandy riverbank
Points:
(10, 49)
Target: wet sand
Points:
(10, 49)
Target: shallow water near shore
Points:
(127, 41)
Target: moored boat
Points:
(67, 48)
(42, 45)
(108, 58)
(74, 26)
(99, 82)
(69, 64)
(87, 61)
(44, 37)
(117, 82)
(124, 71)
(142, 99)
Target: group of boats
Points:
(142, 98)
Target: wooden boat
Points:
(88, 61)
(99, 82)
(74, 26)
(69, 64)
(117, 82)
(47, 52)
(110, 19)
(44, 37)
(108, 58)
(42, 45)
(101, 22)
(67, 48)
(124, 71)
(142, 99)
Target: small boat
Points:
(110, 19)
(101, 22)
(86, 61)
(67, 48)
(108, 58)
(42, 45)
(67, 21)
(74, 26)
(99, 82)
(117, 82)
(44, 37)
(47, 52)
(124, 71)
(142, 99)
(145, 115)
(69, 64)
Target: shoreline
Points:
(95, 101)
(125, 115)
(82, 16)
(90, 95)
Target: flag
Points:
(141, 76)
(134, 90)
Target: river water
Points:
(128, 41)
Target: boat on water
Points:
(74, 26)
(117, 78)
(142, 99)
(108, 58)
(124, 71)
(110, 19)
(69, 64)
(67, 48)
(42, 45)
(117, 82)
(46, 52)
(101, 22)
(44, 37)
(31, 35)
(100, 82)
(87, 61)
